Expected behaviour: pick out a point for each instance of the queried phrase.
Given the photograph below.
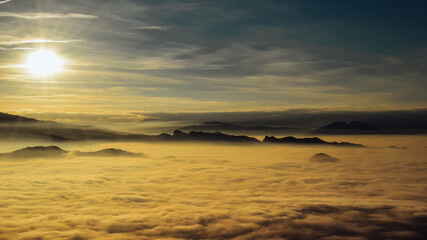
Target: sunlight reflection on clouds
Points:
(214, 191)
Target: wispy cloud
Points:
(153, 28)
(13, 45)
(11, 49)
(27, 15)
(35, 41)
(5, 1)
(11, 66)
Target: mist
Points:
(218, 191)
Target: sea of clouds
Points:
(207, 191)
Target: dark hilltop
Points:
(57, 152)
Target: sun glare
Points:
(44, 63)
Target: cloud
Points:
(11, 45)
(217, 193)
(46, 15)
(5, 1)
(153, 28)
(35, 41)
(15, 48)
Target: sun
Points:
(44, 63)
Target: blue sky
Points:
(203, 56)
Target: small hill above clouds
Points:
(108, 152)
(57, 152)
(36, 152)
(323, 157)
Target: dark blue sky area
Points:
(368, 26)
(372, 25)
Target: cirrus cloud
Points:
(28, 15)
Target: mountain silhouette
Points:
(57, 152)
(355, 127)
(32, 129)
(314, 140)
(207, 136)
(17, 128)
(37, 152)
(223, 126)
(323, 157)
(108, 152)
(9, 118)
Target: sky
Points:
(123, 57)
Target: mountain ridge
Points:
(9, 118)
(313, 140)
(353, 127)
(59, 132)
(221, 126)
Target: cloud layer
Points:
(217, 192)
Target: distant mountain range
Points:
(207, 136)
(356, 127)
(338, 128)
(223, 126)
(8, 118)
(314, 140)
(17, 127)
